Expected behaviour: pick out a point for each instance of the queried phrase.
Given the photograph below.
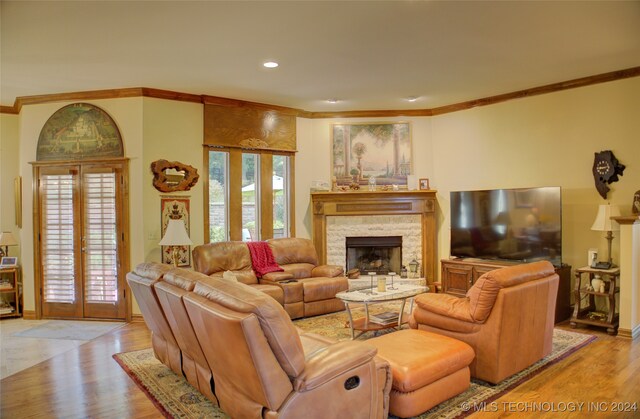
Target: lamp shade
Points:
(176, 234)
(603, 220)
(7, 239)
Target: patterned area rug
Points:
(175, 398)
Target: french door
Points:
(81, 261)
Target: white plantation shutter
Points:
(58, 265)
(100, 238)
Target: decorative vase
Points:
(597, 283)
(372, 183)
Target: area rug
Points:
(69, 330)
(175, 398)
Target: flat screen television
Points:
(507, 224)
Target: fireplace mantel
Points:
(358, 203)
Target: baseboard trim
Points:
(136, 318)
(29, 315)
(628, 333)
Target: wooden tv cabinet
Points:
(458, 275)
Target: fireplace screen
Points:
(375, 254)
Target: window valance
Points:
(249, 127)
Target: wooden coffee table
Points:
(366, 296)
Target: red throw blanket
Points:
(262, 258)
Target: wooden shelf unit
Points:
(458, 275)
(581, 314)
(11, 297)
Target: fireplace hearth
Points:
(374, 254)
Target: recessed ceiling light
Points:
(411, 98)
(270, 64)
(333, 100)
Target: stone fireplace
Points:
(377, 229)
(409, 215)
(374, 254)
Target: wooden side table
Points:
(588, 314)
(10, 292)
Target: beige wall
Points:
(539, 141)
(172, 131)
(9, 163)
(546, 140)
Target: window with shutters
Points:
(100, 242)
(58, 238)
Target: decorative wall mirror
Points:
(173, 176)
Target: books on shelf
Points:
(6, 310)
(386, 318)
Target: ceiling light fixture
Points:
(270, 64)
(411, 98)
(333, 100)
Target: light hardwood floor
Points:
(87, 382)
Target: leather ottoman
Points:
(427, 369)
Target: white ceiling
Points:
(368, 54)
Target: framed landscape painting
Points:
(365, 150)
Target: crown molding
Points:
(371, 113)
(9, 110)
(215, 100)
(540, 90)
(101, 94)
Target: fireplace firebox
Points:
(374, 254)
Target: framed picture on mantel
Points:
(371, 150)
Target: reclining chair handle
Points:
(352, 382)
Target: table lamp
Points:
(175, 236)
(603, 222)
(6, 240)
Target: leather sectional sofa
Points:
(239, 347)
(304, 289)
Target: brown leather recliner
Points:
(507, 318)
(142, 281)
(263, 368)
(303, 289)
(174, 285)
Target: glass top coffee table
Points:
(368, 296)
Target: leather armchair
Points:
(507, 318)
(264, 368)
